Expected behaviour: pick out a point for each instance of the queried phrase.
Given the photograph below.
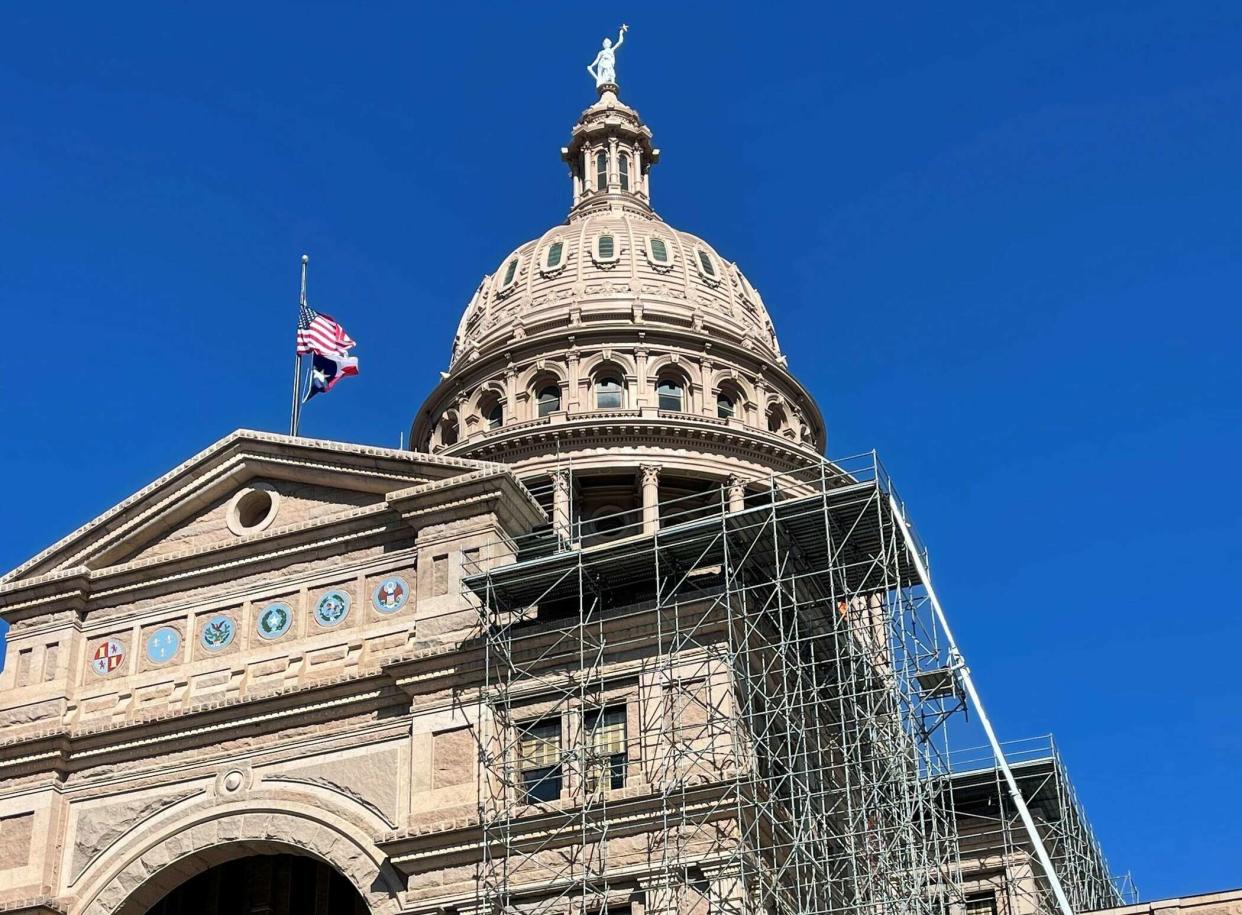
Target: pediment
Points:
(247, 485)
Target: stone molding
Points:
(127, 880)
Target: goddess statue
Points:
(604, 67)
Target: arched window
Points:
(724, 406)
(495, 415)
(607, 393)
(776, 419)
(549, 399)
(624, 168)
(601, 171)
(669, 395)
(448, 431)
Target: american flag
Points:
(320, 334)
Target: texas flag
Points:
(326, 371)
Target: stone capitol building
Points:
(611, 636)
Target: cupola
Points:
(610, 157)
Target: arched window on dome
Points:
(548, 400)
(601, 171)
(608, 393)
(670, 395)
(624, 170)
(776, 420)
(726, 406)
(494, 413)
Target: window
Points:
(495, 415)
(607, 393)
(539, 754)
(981, 904)
(776, 419)
(601, 171)
(625, 171)
(658, 251)
(669, 395)
(724, 406)
(510, 273)
(605, 738)
(448, 431)
(606, 248)
(549, 400)
(552, 256)
(706, 264)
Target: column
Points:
(651, 497)
(726, 889)
(560, 505)
(735, 490)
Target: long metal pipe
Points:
(959, 663)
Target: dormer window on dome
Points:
(554, 256)
(657, 252)
(606, 249)
(509, 276)
(707, 266)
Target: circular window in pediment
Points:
(253, 509)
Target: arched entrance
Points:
(264, 884)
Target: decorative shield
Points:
(108, 657)
(162, 644)
(218, 633)
(275, 620)
(390, 595)
(332, 608)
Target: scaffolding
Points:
(743, 711)
(998, 866)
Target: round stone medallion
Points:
(332, 608)
(218, 633)
(275, 620)
(163, 645)
(390, 595)
(108, 657)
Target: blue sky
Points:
(1001, 244)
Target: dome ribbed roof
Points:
(613, 267)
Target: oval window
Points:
(658, 251)
(606, 248)
(706, 264)
(510, 273)
(552, 259)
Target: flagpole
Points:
(295, 416)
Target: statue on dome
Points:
(604, 67)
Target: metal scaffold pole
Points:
(968, 683)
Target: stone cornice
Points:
(491, 489)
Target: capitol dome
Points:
(614, 266)
(615, 360)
